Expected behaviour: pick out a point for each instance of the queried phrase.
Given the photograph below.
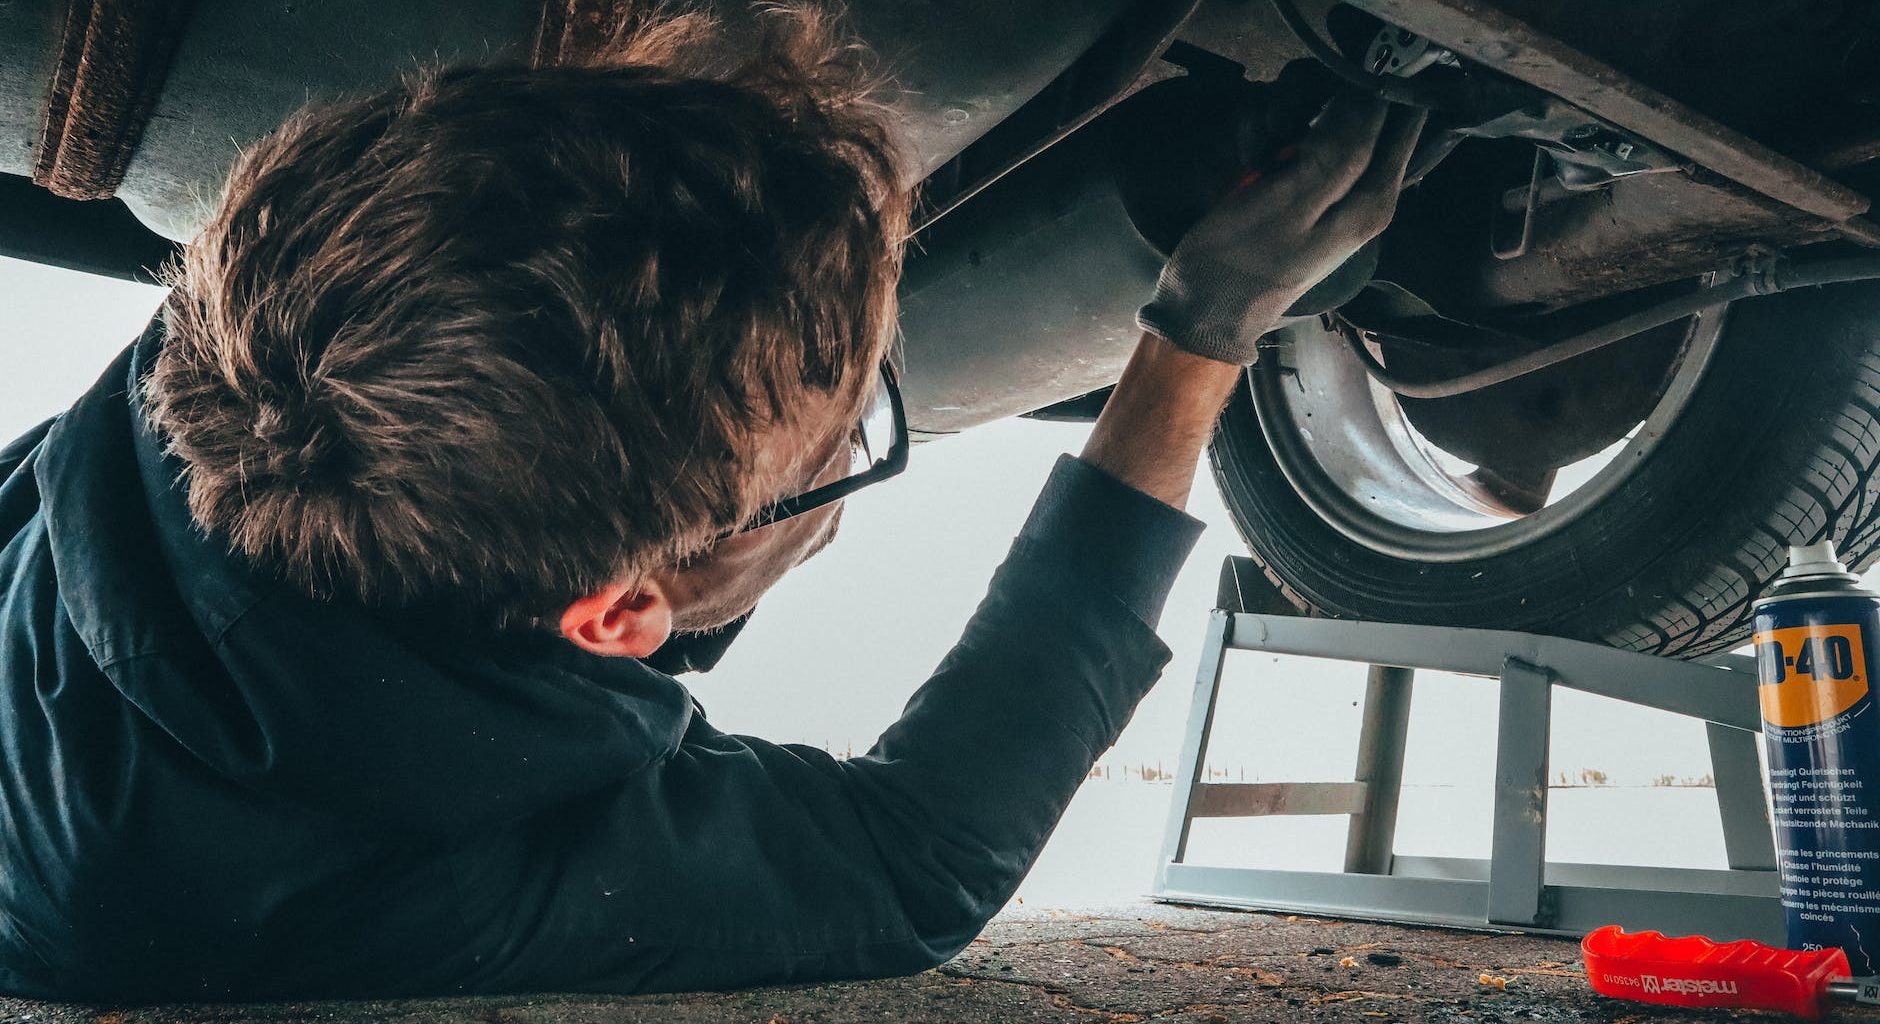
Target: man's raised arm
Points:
(738, 862)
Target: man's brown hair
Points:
(496, 337)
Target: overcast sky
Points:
(836, 649)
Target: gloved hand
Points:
(1240, 267)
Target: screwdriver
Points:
(1695, 972)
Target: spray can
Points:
(1816, 631)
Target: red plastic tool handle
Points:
(1694, 971)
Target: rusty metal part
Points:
(1520, 431)
(1519, 491)
(1390, 87)
(571, 32)
(1490, 36)
(1762, 278)
(112, 59)
(1847, 152)
(1638, 232)
(1552, 418)
(1788, 73)
(1248, 33)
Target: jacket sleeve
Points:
(738, 862)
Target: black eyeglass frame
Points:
(816, 497)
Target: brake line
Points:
(1762, 277)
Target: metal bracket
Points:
(1485, 33)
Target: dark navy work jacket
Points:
(214, 788)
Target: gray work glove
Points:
(1263, 246)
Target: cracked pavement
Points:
(1143, 962)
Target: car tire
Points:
(1776, 443)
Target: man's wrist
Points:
(1158, 419)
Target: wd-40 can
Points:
(1816, 630)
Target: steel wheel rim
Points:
(1339, 439)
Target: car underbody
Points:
(1732, 117)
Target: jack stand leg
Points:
(1516, 878)
(1381, 739)
(1195, 742)
(1738, 775)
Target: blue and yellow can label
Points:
(1810, 673)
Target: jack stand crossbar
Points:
(1515, 889)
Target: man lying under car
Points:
(336, 619)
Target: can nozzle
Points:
(1815, 561)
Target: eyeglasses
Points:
(878, 448)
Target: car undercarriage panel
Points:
(234, 70)
(1692, 134)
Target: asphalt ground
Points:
(1126, 965)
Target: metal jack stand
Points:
(1515, 889)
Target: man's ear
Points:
(620, 620)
